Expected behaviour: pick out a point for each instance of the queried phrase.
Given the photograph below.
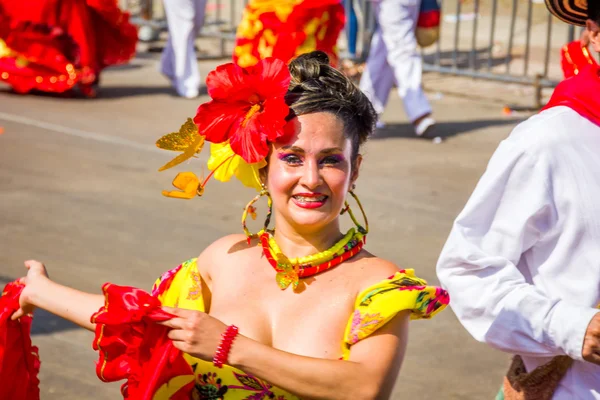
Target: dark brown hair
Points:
(318, 87)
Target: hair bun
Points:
(308, 66)
(318, 87)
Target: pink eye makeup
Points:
(289, 158)
(295, 159)
(333, 159)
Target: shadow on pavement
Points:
(478, 59)
(115, 92)
(104, 92)
(441, 129)
(122, 67)
(45, 323)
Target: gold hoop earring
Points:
(364, 230)
(250, 209)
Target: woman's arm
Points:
(369, 374)
(68, 303)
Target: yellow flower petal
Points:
(225, 164)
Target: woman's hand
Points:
(194, 332)
(37, 274)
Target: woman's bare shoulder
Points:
(226, 246)
(222, 249)
(371, 270)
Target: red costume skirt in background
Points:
(287, 28)
(53, 45)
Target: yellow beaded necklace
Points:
(319, 258)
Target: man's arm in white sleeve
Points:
(508, 213)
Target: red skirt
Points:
(53, 45)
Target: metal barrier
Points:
(515, 41)
(512, 41)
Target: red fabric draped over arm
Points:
(134, 347)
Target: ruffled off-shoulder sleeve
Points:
(181, 287)
(132, 345)
(378, 304)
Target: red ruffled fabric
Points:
(19, 359)
(52, 45)
(134, 347)
(290, 37)
(290, 33)
(580, 93)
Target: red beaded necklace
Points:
(290, 274)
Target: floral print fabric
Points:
(378, 304)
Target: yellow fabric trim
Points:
(185, 281)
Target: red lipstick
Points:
(309, 200)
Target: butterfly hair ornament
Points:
(247, 112)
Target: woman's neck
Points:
(295, 244)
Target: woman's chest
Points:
(308, 321)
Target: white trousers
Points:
(394, 59)
(178, 62)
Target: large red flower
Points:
(247, 107)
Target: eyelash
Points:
(331, 160)
(293, 159)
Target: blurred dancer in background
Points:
(287, 28)
(185, 19)
(394, 60)
(56, 45)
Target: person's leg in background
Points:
(199, 14)
(167, 60)
(178, 62)
(351, 28)
(377, 80)
(397, 20)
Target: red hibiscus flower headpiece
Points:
(247, 108)
(247, 111)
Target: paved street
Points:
(80, 191)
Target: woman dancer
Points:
(297, 311)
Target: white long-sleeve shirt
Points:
(522, 263)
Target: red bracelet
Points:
(225, 346)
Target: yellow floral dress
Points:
(374, 307)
